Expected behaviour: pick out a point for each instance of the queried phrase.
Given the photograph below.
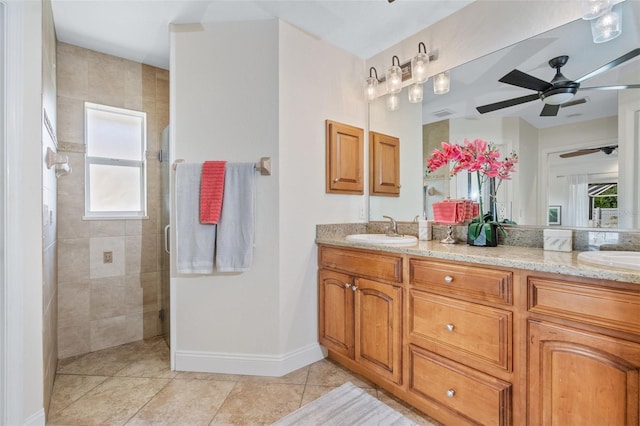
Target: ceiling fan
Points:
(606, 149)
(560, 90)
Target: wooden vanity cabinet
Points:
(584, 353)
(360, 317)
(460, 336)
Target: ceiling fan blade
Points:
(579, 152)
(575, 102)
(508, 103)
(619, 87)
(521, 79)
(549, 110)
(622, 59)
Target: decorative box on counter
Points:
(455, 210)
(558, 239)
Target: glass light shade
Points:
(393, 102)
(591, 9)
(419, 67)
(371, 88)
(441, 83)
(394, 79)
(558, 98)
(415, 93)
(608, 26)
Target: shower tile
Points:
(150, 324)
(257, 403)
(108, 332)
(135, 294)
(114, 401)
(202, 397)
(107, 228)
(106, 79)
(73, 340)
(151, 364)
(73, 303)
(73, 259)
(150, 283)
(108, 297)
(135, 327)
(72, 72)
(98, 246)
(133, 85)
(142, 253)
(70, 120)
(106, 362)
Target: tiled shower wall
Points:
(102, 305)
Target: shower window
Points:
(115, 162)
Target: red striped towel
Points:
(211, 191)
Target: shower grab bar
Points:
(166, 239)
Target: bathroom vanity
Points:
(493, 336)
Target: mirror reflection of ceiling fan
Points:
(560, 91)
(606, 149)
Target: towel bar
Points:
(263, 166)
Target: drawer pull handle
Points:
(451, 393)
(354, 288)
(448, 279)
(450, 327)
(347, 285)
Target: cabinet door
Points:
(581, 378)
(336, 326)
(384, 164)
(378, 310)
(345, 158)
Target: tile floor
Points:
(133, 385)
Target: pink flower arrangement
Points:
(478, 156)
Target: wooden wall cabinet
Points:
(344, 158)
(384, 165)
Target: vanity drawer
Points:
(362, 264)
(475, 396)
(476, 330)
(601, 306)
(470, 282)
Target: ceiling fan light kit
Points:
(560, 91)
(608, 26)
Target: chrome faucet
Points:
(392, 230)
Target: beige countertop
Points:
(533, 259)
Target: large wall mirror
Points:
(581, 163)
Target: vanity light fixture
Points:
(415, 93)
(591, 9)
(608, 26)
(393, 102)
(394, 76)
(441, 83)
(371, 85)
(419, 64)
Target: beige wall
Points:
(103, 305)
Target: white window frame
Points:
(106, 215)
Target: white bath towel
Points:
(195, 242)
(236, 227)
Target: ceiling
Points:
(138, 30)
(476, 83)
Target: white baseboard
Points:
(248, 364)
(36, 419)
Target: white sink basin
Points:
(405, 240)
(629, 260)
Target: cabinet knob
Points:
(451, 393)
(354, 288)
(336, 180)
(450, 327)
(448, 279)
(347, 285)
